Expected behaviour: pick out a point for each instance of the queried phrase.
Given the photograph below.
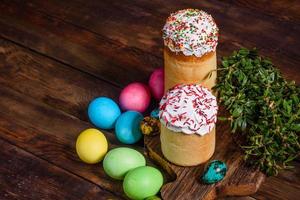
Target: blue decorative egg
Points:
(154, 113)
(103, 112)
(214, 172)
(128, 127)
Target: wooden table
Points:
(55, 56)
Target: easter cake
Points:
(188, 113)
(190, 38)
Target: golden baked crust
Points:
(187, 150)
(181, 57)
(181, 69)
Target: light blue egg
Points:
(128, 127)
(103, 112)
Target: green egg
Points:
(153, 198)
(142, 182)
(119, 161)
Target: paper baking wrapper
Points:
(187, 150)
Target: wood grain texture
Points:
(240, 179)
(139, 18)
(285, 186)
(50, 82)
(275, 188)
(280, 9)
(143, 26)
(98, 47)
(276, 39)
(51, 135)
(88, 52)
(24, 176)
(236, 198)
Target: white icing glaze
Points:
(191, 31)
(189, 108)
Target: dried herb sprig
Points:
(264, 108)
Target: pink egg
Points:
(135, 96)
(156, 83)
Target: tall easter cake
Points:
(190, 39)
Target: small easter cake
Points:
(188, 114)
(190, 39)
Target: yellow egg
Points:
(91, 146)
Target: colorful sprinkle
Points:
(189, 108)
(191, 31)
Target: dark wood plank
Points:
(276, 188)
(280, 9)
(291, 175)
(144, 21)
(24, 176)
(139, 18)
(123, 21)
(50, 82)
(143, 25)
(226, 46)
(50, 134)
(236, 198)
(95, 54)
(285, 186)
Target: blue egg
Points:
(155, 113)
(103, 112)
(128, 127)
(214, 172)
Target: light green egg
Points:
(142, 182)
(119, 161)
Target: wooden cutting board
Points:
(241, 179)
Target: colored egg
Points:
(135, 96)
(155, 113)
(153, 198)
(156, 83)
(214, 172)
(119, 161)
(127, 127)
(103, 112)
(91, 146)
(142, 182)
